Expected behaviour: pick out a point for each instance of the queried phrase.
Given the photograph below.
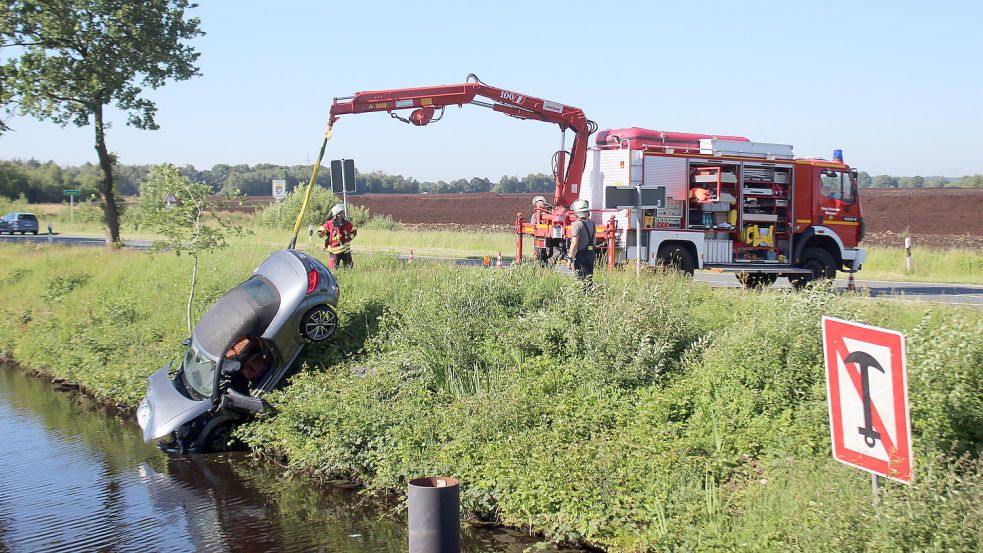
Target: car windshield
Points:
(199, 372)
(28, 217)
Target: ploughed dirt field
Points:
(934, 217)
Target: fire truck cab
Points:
(694, 201)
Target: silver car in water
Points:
(242, 347)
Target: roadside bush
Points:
(84, 212)
(382, 222)
(20, 204)
(57, 286)
(318, 208)
(945, 360)
(15, 275)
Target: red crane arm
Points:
(424, 100)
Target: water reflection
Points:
(75, 478)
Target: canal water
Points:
(73, 477)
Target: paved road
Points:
(71, 240)
(929, 292)
(912, 291)
(965, 294)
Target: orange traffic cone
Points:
(410, 259)
(498, 261)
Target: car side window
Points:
(837, 185)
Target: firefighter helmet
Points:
(538, 199)
(581, 206)
(338, 208)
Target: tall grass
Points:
(960, 265)
(638, 414)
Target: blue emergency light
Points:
(838, 155)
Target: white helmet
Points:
(580, 206)
(338, 208)
(538, 199)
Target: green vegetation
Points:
(44, 182)
(958, 265)
(864, 180)
(645, 415)
(73, 59)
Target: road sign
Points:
(867, 386)
(279, 189)
(72, 192)
(342, 175)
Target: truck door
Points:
(838, 205)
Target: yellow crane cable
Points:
(310, 186)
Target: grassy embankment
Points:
(648, 415)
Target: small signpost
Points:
(279, 192)
(71, 200)
(867, 387)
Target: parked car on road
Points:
(242, 347)
(19, 222)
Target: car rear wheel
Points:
(319, 323)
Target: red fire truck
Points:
(687, 201)
(695, 201)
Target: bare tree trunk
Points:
(106, 163)
(194, 254)
(194, 282)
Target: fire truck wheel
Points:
(756, 280)
(677, 258)
(817, 260)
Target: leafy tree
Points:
(864, 180)
(885, 181)
(182, 223)
(75, 57)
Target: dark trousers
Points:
(338, 260)
(583, 263)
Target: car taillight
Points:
(312, 280)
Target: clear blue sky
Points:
(897, 85)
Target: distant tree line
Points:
(45, 182)
(865, 180)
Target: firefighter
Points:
(581, 249)
(539, 205)
(338, 233)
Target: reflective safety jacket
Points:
(337, 236)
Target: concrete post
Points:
(907, 253)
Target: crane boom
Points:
(425, 100)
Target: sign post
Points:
(867, 387)
(71, 202)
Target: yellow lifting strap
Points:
(310, 186)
